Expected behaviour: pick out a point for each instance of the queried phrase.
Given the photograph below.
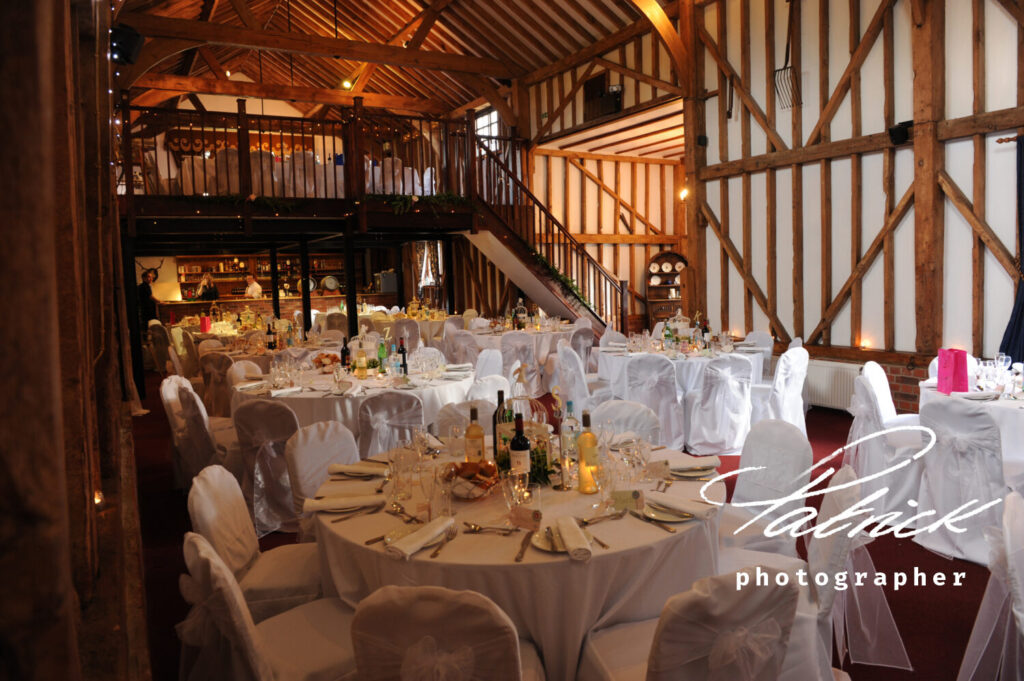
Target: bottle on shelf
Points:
(519, 450)
(587, 446)
(474, 438)
(494, 423)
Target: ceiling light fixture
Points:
(346, 84)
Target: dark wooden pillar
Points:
(351, 304)
(304, 286)
(244, 167)
(449, 275)
(470, 155)
(399, 276)
(275, 295)
(135, 329)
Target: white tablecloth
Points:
(318, 405)
(544, 342)
(611, 367)
(553, 601)
(1009, 417)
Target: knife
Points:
(557, 543)
(522, 547)
(656, 523)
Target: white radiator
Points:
(830, 384)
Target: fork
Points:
(367, 510)
(450, 533)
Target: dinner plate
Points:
(347, 509)
(405, 386)
(980, 396)
(404, 531)
(653, 268)
(665, 516)
(683, 475)
(655, 280)
(666, 267)
(356, 476)
(680, 266)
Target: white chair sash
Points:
(215, 375)
(387, 419)
(582, 340)
(719, 416)
(264, 427)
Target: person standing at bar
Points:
(147, 301)
(253, 290)
(207, 289)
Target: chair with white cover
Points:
(308, 453)
(489, 363)
(366, 342)
(572, 380)
(263, 428)
(658, 331)
(160, 341)
(457, 414)
(995, 651)
(805, 395)
(272, 581)
(175, 420)
(779, 457)
(215, 376)
(712, 632)
(336, 321)
(760, 339)
(243, 370)
(651, 381)
(783, 398)
(625, 416)
(332, 335)
(296, 354)
(221, 640)
(199, 443)
(611, 337)
(461, 347)
(409, 329)
(873, 412)
(518, 345)
(718, 415)
(797, 342)
(191, 357)
(210, 345)
(387, 419)
(430, 632)
(469, 315)
(964, 467)
(487, 387)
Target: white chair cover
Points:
(387, 419)
(462, 347)
(457, 414)
(367, 342)
(487, 388)
(477, 323)
(470, 314)
(215, 376)
(651, 381)
(174, 366)
(586, 322)
(161, 343)
(332, 335)
(761, 339)
(783, 399)
(264, 427)
(518, 346)
(308, 453)
(336, 321)
(196, 445)
(612, 336)
(658, 331)
(797, 342)
(409, 329)
(718, 417)
(309, 642)
(573, 380)
(582, 340)
(883, 453)
(781, 456)
(626, 416)
(427, 632)
(242, 368)
(995, 651)
(172, 405)
(191, 358)
(489, 363)
(965, 466)
(210, 345)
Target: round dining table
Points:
(611, 367)
(544, 342)
(553, 601)
(1008, 415)
(319, 401)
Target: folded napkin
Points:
(575, 541)
(697, 509)
(616, 344)
(460, 367)
(250, 386)
(341, 502)
(361, 468)
(433, 442)
(405, 547)
(684, 461)
(354, 390)
(277, 392)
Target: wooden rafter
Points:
(891, 222)
(236, 88)
(540, 151)
(245, 14)
(1016, 11)
(638, 75)
(749, 282)
(615, 195)
(680, 51)
(569, 96)
(978, 224)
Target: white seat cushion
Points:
(282, 578)
(311, 642)
(529, 662)
(618, 653)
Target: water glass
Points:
(456, 441)
(403, 462)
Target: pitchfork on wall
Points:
(787, 80)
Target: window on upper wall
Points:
(487, 126)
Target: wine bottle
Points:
(494, 423)
(382, 358)
(519, 450)
(587, 445)
(344, 353)
(360, 364)
(569, 433)
(474, 438)
(404, 355)
(271, 339)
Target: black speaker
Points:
(900, 133)
(702, 140)
(125, 44)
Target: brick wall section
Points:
(903, 383)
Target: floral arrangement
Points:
(540, 470)
(326, 360)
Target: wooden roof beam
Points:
(223, 34)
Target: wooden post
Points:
(624, 306)
(357, 166)
(451, 174)
(470, 155)
(307, 307)
(449, 280)
(695, 158)
(127, 165)
(928, 47)
(275, 295)
(351, 302)
(131, 300)
(244, 167)
(400, 277)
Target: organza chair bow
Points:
(264, 427)
(424, 661)
(215, 376)
(518, 346)
(387, 419)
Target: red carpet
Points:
(934, 622)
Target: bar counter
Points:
(172, 311)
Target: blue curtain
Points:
(1013, 338)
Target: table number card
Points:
(629, 499)
(526, 518)
(657, 469)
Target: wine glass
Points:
(427, 472)
(456, 443)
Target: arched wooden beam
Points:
(681, 53)
(153, 52)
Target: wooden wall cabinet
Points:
(666, 276)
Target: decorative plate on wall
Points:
(654, 267)
(680, 266)
(329, 282)
(655, 280)
(666, 267)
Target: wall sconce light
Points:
(683, 193)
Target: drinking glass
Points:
(426, 471)
(403, 460)
(456, 442)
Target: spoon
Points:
(473, 528)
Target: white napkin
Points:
(698, 509)
(460, 367)
(360, 469)
(405, 547)
(575, 541)
(277, 392)
(683, 461)
(341, 502)
(616, 344)
(433, 442)
(354, 390)
(250, 386)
